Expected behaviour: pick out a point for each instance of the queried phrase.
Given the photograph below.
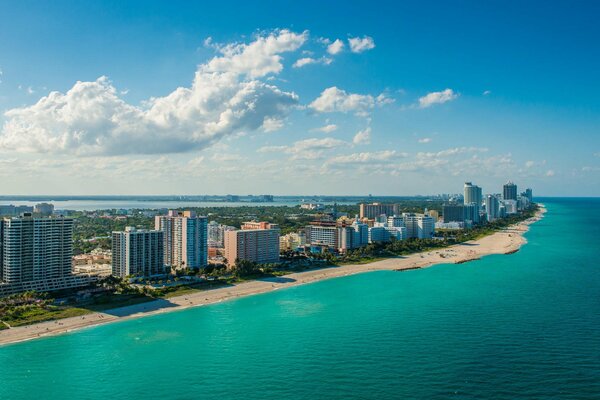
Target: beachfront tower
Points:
(185, 239)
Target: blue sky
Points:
(413, 98)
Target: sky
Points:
(297, 98)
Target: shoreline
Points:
(507, 241)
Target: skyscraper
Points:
(185, 239)
(492, 207)
(138, 252)
(453, 212)
(472, 194)
(509, 191)
(36, 253)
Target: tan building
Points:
(434, 214)
(256, 241)
(374, 210)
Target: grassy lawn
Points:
(38, 314)
(111, 301)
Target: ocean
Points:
(519, 326)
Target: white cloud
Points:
(222, 157)
(363, 137)
(224, 99)
(327, 128)
(437, 98)
(529, 164)
(272, 124)
(311, 148)
(337, 100)
(258, 58)
(424, 140)
(487, 92)
(597, 154)
(358, 45)
(335, 47)
(301, 62)
(1, 74)
(550, 172)
(366, 157)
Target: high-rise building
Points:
(453, 212)
(138, 252)
(323, 234)
(256, 242)
(37, 254)
(472, 194)
(353, 236)
(528, 193)
(420, 226)
(44, 209)
(185, 239)
(374, 210)
(509, 191)
(492, 207)
(395, 221)
(472, 213)
(216, 234)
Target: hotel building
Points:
(256, 241)
(374, 210)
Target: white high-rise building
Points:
(395, 221)
(421, 226)
(472, 194)
(185, 239)
(137, 252)
(36, 251)
(492, 207)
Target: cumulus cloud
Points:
(437, 98)
(335, 47)
(550, 173)
(358, 45)
(305, 149)
(225, 98)
(272, 124)
(366, 157)
(424, 140)
(327, 128)
(334, 99)
(362, 137)
(301, 62)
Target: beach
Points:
(506, 241)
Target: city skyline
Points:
(310, 98)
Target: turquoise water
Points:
(520, 326)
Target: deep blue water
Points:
(520, 326)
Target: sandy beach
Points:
(504, 242)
